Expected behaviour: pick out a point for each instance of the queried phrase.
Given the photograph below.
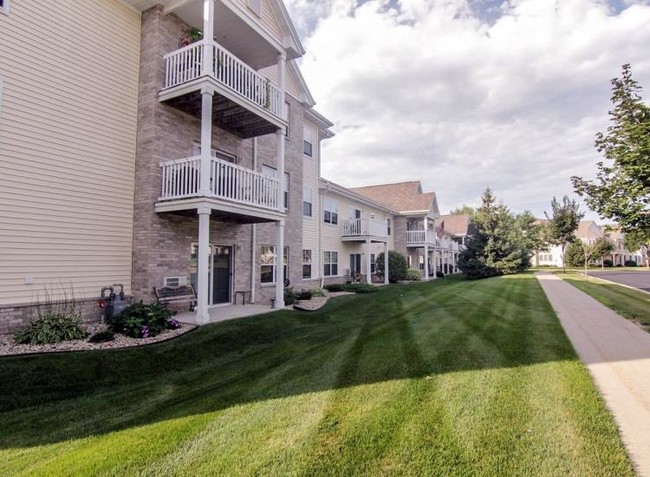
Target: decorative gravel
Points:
(9, 347)
(317, 302)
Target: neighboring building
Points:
(424, 247)
(457, 227)
(589, 232)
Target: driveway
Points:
(640, 279)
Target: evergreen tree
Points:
(499, 245)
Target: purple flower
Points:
(144, 331)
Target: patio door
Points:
(221, 274)
(355, 263)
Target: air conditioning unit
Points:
(175, 281)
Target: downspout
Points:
(253, 232)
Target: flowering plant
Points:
(173, 324)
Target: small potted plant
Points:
(190, 36)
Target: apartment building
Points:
(158, 143)
(415, 235)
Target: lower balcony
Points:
(245, 103)
(363, 229)
(234, 192)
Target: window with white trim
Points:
(268, 262)
(287, 118)
(306, 264)
(373, 263)
(308, 141)
(4, 6)
(388, 225)
(330, 264)
(216, 153)
(330, 211)
(269, 171)
(307, 202)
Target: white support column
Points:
(435, 262)
(279, 135)
(206, 139)
(208, 37)
(426, 248)
(368, 270)
(203, 278)
(279, 264)
(386, 281)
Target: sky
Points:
(466, 94)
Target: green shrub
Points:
(103, 336)
(140, 320)
(304, 295)
(396, 266)
(359, 288)
(608, 263)
(413, 275)
(335, 287)
(51, 327)
(317, 292)
(630, 263)
(290, 297)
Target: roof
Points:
(334, 188)
(457, 225)
(588, 229)
(403, 197)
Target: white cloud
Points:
(424, 89)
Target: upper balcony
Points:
(245, 102)
(364, 229)
(234, 191)
(418, 238)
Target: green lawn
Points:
(443, 378)
(627, 302)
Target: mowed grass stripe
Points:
(443, 378)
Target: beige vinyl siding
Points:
(290, 85)
(68, 129)
(267, 19)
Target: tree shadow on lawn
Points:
(400, 332)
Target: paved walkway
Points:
(617, 354)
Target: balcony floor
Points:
(226, 114)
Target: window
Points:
(307, 201)
(373, 263)
(330, 264)
(388, 224)
(269, 171)
(223, 155)
(330, 211)
(308, 136)
(268, 264)
(306, 264)
(4, 6)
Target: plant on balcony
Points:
(190, 36)
(267, 95)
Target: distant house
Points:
(457, 227)
(589, 232)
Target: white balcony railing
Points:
(187, 64)
(181, 179)
(364, 227)
(419, 237)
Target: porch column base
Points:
(202, 315)
(386, 271)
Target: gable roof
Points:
(588, 229)
(456, 225)
(403, 197)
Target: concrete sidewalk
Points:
(617, 354)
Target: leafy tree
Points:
(562, 223)
(574, 254)
(621, 190)
(638, 240)
(464, 210)
(397, 266)
(499, 244)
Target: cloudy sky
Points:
(464, 94)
